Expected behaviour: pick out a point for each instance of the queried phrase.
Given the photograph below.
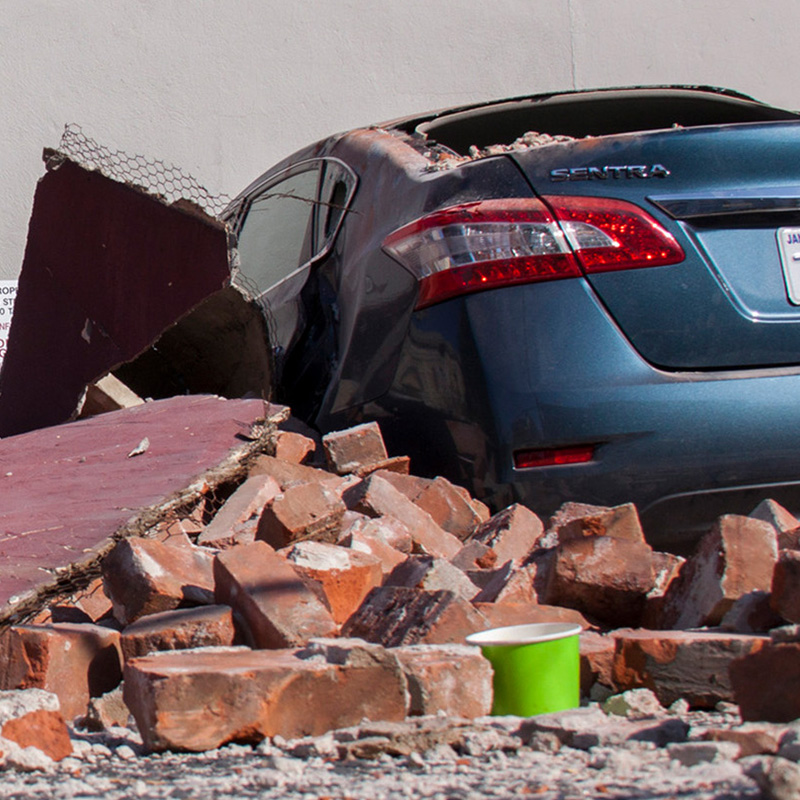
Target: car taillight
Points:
(492, 243)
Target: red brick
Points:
(288, 474)
(751, 613)
(597, 660)
(305, 511)
(346, 575)
(666, 569)
(207, 626)
(449, 679)
(578, 521)
(604, 578)
(475, 556)
(370, 544)
(142, 576)
(449, 508)
(692, 665)
(389, 530)
(237, 520)
(74, 662)
(293, 447)
(86, 605)
(376, 497)
(503, 614)
(736, 557)
(394, 616)
(32, 718)
(511, 584)
(512, 533)
(199, 700)
(431, 574)
(784, 523)
(766, 683)
(785, 599)
(107, 711)
(355, 448)
(277, 606)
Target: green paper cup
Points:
(536, 667)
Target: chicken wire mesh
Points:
(157, 177)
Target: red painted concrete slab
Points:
(65, 490)
(107, 268)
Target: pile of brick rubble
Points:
(316, 597)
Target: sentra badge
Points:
(624, 172)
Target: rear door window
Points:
(292, 221)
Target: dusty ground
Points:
(490, 762)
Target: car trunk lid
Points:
(729, 195)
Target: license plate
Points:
(789, 248)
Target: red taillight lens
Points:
(633, 238)
(492, 243)
(482, 245)
(551, 457)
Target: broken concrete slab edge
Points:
(80, 574)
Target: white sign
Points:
(8, 293)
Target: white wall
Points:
(224, 88)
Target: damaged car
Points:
(589, 296)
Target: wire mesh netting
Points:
(161, 179)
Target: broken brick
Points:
(510, 584)
(785, 594)
(692, 665)
(449, 508)
(73, 661)
(394, 616)
(751, 613)
(666, 569)
(512, 533)
(288, 474)
(766, 682)
(346, 575)
(304, 511)
(597, 660)
(786, 525)
(143, 576)
(32, 718)
(577, 521)
(389, 530)
(474, 556)
(207, 626)
(293, 447)
(448, 679)
(504, 614)
(355, 448)
(376, 496)
(237, 520)
(735, 557)
(605, 578)
(276, 605)
(197, 699)
(432, 574)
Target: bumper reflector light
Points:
(552, 457)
